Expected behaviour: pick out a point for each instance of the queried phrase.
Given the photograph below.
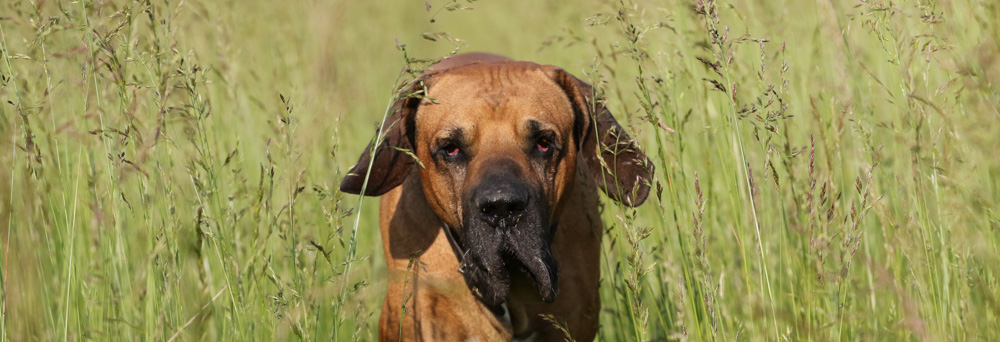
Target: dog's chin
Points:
(494, 254)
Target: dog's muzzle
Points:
(506, 230)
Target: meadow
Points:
(825, 170)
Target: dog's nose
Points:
(502, 205)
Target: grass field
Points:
(826, 170)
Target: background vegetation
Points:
(826, 170)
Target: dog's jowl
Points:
(488, 171)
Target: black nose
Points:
(501, 205)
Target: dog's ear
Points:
(394, 155)
(613, 158)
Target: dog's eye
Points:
(543, 144)
(450, 151)
(544, 147)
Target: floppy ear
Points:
(394, 156)
(613, 158)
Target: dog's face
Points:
(499, 153)
(498, 145)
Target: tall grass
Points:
(825, 171)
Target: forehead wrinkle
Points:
(500, 133)
(548, 106)
(496, 93)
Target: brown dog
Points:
(496, 220)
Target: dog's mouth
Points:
(493, 254)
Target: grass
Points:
(825, 170)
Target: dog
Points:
(488, 169)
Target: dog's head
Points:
(498, 142)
